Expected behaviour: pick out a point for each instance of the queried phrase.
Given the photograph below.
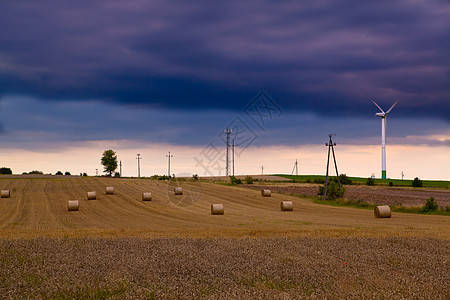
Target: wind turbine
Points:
(383, 115)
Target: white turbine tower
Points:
(383, 115)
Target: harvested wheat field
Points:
(119, 246)
(38, 207)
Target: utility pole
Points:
(96, 172)
(168, 171)
(295, 168)
(139, 165)
(227, 167)
(232, 151)
(330, 145)
(262, 170)
(120, 164)
(402, 175)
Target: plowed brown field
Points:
(380, 195)
(38, 207)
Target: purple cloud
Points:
(327, 57)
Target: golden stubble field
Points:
(119, 247)
(38, 207)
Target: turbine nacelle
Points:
(382, 113)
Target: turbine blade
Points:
(392, 106)
(377, 106)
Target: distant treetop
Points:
(6, 171)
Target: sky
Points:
(148, 77)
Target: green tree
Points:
(5, 170)
(109, 161)
(417, 182)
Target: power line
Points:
(330, 145)
(295, 168)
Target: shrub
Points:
(58, 173)
(333, 190)
(430, 205)
(36, 172)
(391, 183)
(84, 174)
(116, 174)
(67, 173)
(319, 180)
(195, 176)
(344, 179)
(370, 181)
(249, 179)
(6, 171)
(308, 180)
(235, 180)
(417, 182)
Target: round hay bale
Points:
(146, 196)
(266, 193)
(6, 194)
(382, 211)
(91, 195)
(178, 190)
(109, 190)
(287, 206)
(217, 209)
(73, 205)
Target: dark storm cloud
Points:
(39, 125)
(329, 57)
